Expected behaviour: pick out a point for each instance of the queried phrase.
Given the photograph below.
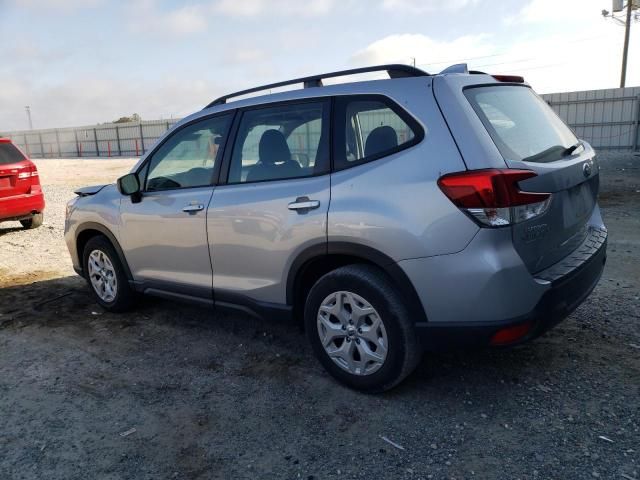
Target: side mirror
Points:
(129, 184)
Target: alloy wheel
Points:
(352, 333)
(102, 275)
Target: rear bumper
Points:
(21, 206)
(565, 294)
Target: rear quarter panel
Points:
(472, 138)
(394, 204)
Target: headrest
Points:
(273, 148)
(380, 139)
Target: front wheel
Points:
(360, 329)
(105, 274)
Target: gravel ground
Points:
(175, 391)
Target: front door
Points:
(164, 235)
(275, 202)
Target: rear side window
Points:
(371, 127)
(285, 141)
(10, 154)
(520, 123)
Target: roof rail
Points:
(394, 71)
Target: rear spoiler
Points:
(462, 68)
(88, 191)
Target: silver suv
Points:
(391, 216)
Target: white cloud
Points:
(584, 51)
(559, 11)
(146, 15)
(423, 6)
(185, 20)
(251, 8)
(89, 99)
(241, 56)
(556, 62)
(427, 51)
(65, 5)
(562, 62)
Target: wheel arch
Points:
(316, 261)
(89, 230)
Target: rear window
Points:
(10, 154)
(520, 123)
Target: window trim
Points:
(215, 176)
(235, 127)
(339, 127)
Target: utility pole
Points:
(618, 7)
(414, 61)
(625, 51)
(28, 109)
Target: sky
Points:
(81, 62)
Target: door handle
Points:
(303, 203)
(193, 208)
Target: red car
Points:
(21, 196)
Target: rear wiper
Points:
(571, 149)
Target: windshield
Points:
(9, 154)
(521, 124)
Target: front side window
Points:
(189, 157)
(370, 128)
(286, 141)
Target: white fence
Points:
(106, 140)
(608, 119)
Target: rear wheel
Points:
(34, 222)
(106, 276)
(360, 329)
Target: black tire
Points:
(125, 296)
(34, 222)
(373, 285)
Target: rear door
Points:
(275, 202)
(15, 171)
(530, 136)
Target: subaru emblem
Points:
(586, 169)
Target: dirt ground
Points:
(175, 391)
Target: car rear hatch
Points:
(530, 137)
(16, 171)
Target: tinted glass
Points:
(372, 129)
(10, 154)
(275, 143)
(189, 157)
(521, 123)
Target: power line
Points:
(504, 63)
(541, 66)
(453, 62)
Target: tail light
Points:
(32, 172)
(492, 197)
(29, 174)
